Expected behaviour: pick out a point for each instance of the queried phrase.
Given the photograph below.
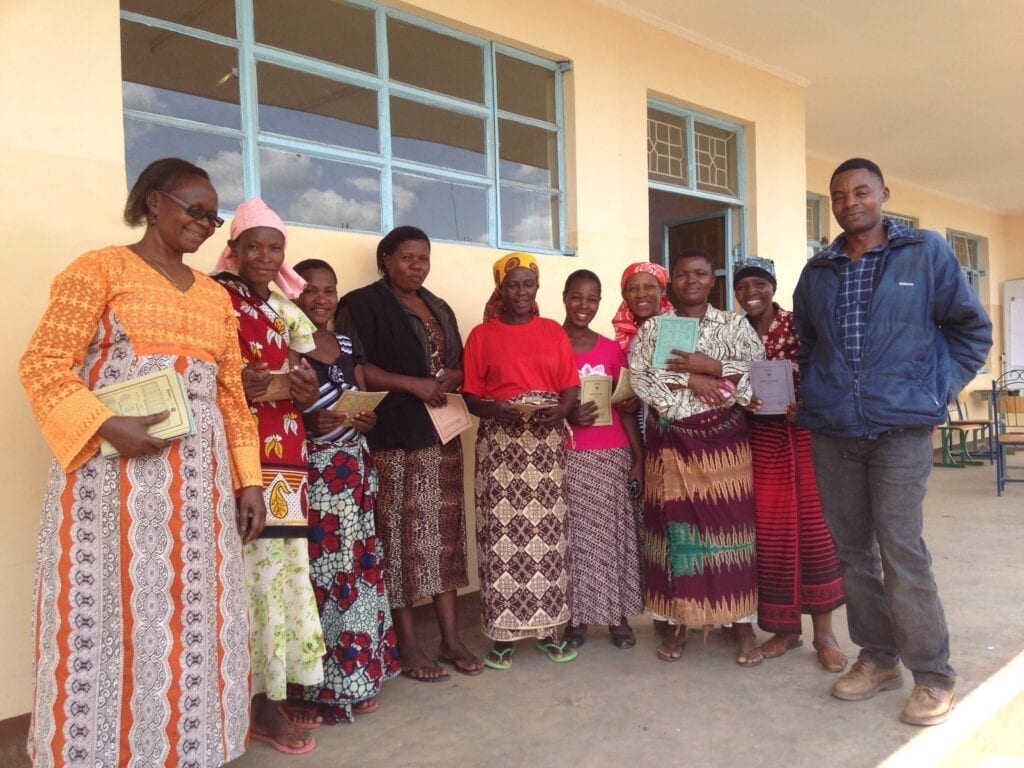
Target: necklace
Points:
(162, 271)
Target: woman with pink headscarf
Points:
(286, 636)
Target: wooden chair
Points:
(1007, 423)
(954, 436)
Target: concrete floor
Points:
(614, 707)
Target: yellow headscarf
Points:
(496, 304)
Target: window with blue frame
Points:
(970, 252)
(350, 115)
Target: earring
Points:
(151, 218)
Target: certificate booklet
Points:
(451, 419)
(598, 389)
(280, 388)
(772, 382)
(146, 395)
(674, 333)
(352, 401)
(623, 387)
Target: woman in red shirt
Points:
(521, 380)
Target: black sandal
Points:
(622, 636)
(575, 635)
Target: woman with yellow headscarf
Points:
(521, 380)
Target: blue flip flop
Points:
(559, 653)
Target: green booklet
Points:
(674, 332)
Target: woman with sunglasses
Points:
(141, 628)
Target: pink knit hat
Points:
(256, 213)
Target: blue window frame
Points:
(695, 166)
(350, 115)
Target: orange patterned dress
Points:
(140, 615)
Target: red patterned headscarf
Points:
(624, 321)
(496, 304)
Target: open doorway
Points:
(679, 221)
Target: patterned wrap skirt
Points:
(348, 579)
(142, 640)
(798, 571)
(701, 566)
(606, 569)
(421, 514)
(520, 527)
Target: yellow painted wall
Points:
(63, 186)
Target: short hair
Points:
(308, 265)
(395, 238)
(164, 174)
(857, 163)
(580, 274)
(691, 253)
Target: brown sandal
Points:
(673, 641)
(778, 645)
(830, 657)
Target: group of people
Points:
(256, 577)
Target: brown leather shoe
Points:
(928, 705)
(865, 679)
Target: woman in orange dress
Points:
(142, 651)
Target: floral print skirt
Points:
(285, 635)
(348, 580)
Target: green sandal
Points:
(559, 653)
(503, 656)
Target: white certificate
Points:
(451, 419)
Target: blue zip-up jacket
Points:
(925, 337)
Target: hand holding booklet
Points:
(772, 382)
(598, 389)
(353, 401)
(279, 388)
(451, 419)
(674, 332)
(146, 395)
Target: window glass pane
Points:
(210, 15)
(716, 159)
(309, 107)
(529, 217)
(666, 147)
(430, 60)
(311, 190)
(443, 209)
(906, 221)
(176, 75)
(438, 137)
(527, 154)
(218, 156)
(813, 219)
(525, 88)
(328, 30)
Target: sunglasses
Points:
(196, 211)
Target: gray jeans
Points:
(871, 495)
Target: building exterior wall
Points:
(63, 186)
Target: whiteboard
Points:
(1013, 325)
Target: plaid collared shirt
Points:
(856, 285)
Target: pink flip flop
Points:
(287, 713)
(280, 746)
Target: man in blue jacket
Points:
(890, 331)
